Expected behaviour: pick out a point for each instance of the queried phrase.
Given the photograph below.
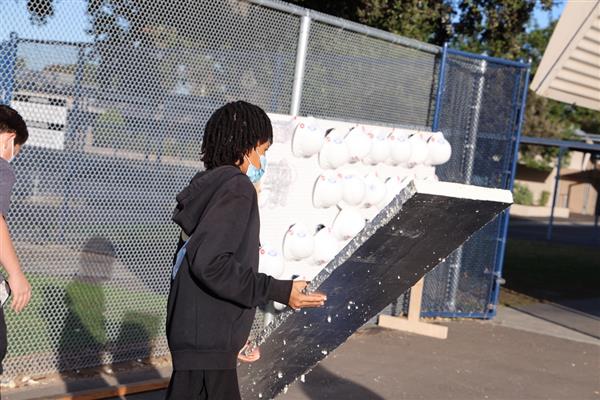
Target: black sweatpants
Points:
(3, 340)
(204, 385)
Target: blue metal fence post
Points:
(7, 68)
(555, 193)
(506, 175)
(506, 217)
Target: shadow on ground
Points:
(577, 232)
(84, 347)
(327, 385)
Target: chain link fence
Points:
(116, 96)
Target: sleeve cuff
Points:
(280, 291)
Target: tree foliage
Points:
(425, 20)
(496, 27)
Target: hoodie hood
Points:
(193, 200)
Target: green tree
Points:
(496, 27)
(426, 20)
(522, 195)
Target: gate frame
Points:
(518, 108)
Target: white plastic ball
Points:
(348, 223)
(400, 148)
(279, 306)
(380, 148)
(298, 242)
(418, 149)
(375, 191)
(334, 153)
(358, 144)
(440, 150)
(270, 262)
(328, 190)
(326, 246)
(353, 189)
(308, 138)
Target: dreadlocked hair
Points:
(232, 131)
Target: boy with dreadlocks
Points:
(215, 284)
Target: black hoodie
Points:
(212, 299)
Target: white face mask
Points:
(12, 149)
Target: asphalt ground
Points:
(479, 360)
(578, 230)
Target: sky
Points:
(543, 18)
(70, 22)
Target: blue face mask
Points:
(255, 174)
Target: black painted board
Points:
(404, 242)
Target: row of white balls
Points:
(319, 245)
(336, 147)
(349, 189)
(322, 244)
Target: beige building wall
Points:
(570, 69)
(579, 197)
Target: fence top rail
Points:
(502, 61)
(566, 144)
(348, 25)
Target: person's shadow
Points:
(83, 336)
(135, 338)
(322, 384)
(83, 341)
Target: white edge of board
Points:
(459, 190)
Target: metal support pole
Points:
(471, 145)
(555, 193)
(300, 65)
(440, 89)
(472, 138)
